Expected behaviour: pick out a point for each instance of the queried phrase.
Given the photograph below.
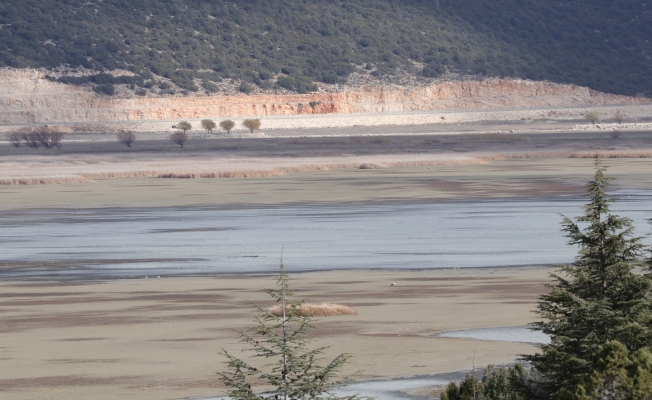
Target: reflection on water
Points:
(502, 334)
(193, 240)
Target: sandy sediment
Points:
(160, 338)
(497, 179)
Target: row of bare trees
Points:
(37, 137)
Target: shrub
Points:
(245, 88)
(107, 89)
(316, 310)
(209, 86)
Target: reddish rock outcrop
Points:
(27, 97)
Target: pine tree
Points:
(294, 373)
(618, 375)
(598, 298)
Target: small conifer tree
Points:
(294, 371)
(596, 299)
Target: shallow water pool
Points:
(502, 334)
(139, 242)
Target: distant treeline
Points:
(603, 44)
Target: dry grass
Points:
(317, 310)
(44, 180)
(642, 153)
(488, 138)
(341, 140)
(372, 166)
(28, 172)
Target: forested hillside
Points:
(602, 44)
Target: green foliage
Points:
(595, 43)
(184, 126)
(497, 385)
(294, 371)
(617, 375)
(209, 86)
(251, 124)
(598, 298)
(208, 124)
(513, 383)
(106, 88)
(245, 88)
(227, 125)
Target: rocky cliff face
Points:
(26, 97)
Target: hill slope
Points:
(602, 44)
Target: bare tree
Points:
(208, 124)
(184, 126)
(179, 138)
(592, 116)
(31, 140)
(15, 138)
(227, 125)
(251, 124)
(618, 116)
(126, 138)
(48, 137)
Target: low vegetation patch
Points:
(316, 310)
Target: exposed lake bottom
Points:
(139, 242)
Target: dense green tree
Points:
(598, 298)
(294, 371)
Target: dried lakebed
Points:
(139, 242)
